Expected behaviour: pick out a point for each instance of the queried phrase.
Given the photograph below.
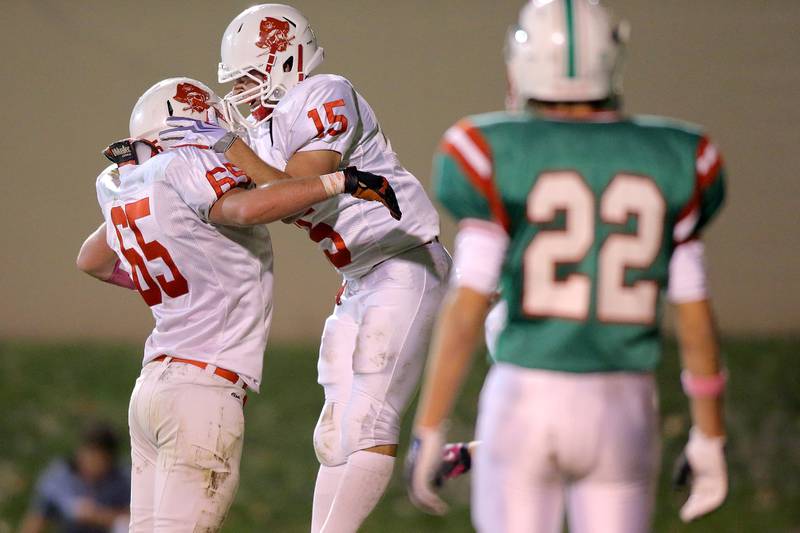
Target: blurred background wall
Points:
(72, 71)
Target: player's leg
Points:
(397, 308)
(516, 484)
(619, 491)
(200, 429)
(335, 371)
(143, 453)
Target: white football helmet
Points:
(273, 45)
(173, 97)
(564, 51)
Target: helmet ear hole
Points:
(169, 108)
(288, 64)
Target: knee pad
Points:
(328, 435)
(367, 423)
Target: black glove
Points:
(123, 152)
(368, 186)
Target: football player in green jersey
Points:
(584, 217)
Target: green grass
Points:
(46, 391)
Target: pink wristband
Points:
(703, 386)
(120, 277)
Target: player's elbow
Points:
(95, 264)
(85, 262)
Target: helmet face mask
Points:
(271, 45)
(564, 51)
(173, 97)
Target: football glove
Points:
(456, 460)
(702, 466)
(186, 130)
(123, 152)
(368, 186)
(422, 464)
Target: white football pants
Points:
(589, 441)
(373, 349)
(186, 427)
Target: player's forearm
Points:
(456, 336)
(701, 360)
(95, 257)
(269, 203)
(248, 161)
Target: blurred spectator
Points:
(87, 493)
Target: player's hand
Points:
(422, 465)
(456, 460)
(186, 130)
(123, 152)
(702, 466)
(368, 186)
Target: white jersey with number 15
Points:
(325, 112)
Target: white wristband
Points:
(333, 183)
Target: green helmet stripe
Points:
(570, 39)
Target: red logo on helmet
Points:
(193, 96)
(273, 34)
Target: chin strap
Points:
(261, 113)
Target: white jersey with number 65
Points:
(325, 112)
(209, 287)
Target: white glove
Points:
(186, 130)
(703, 460)
(422, 465)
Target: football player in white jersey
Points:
(182, 228)
(374, 344)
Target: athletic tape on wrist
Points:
(333, 183)
(703, 386)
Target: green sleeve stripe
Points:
(570, 39)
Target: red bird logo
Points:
(193, 96)
(273, 35)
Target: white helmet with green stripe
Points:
(564, 51)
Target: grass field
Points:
(46, 391)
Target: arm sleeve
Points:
(201, 177)
(687, 273)
(708, 195)
(479, 253)
(328, 119)
(463, 175)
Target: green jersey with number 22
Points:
(593, 210)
